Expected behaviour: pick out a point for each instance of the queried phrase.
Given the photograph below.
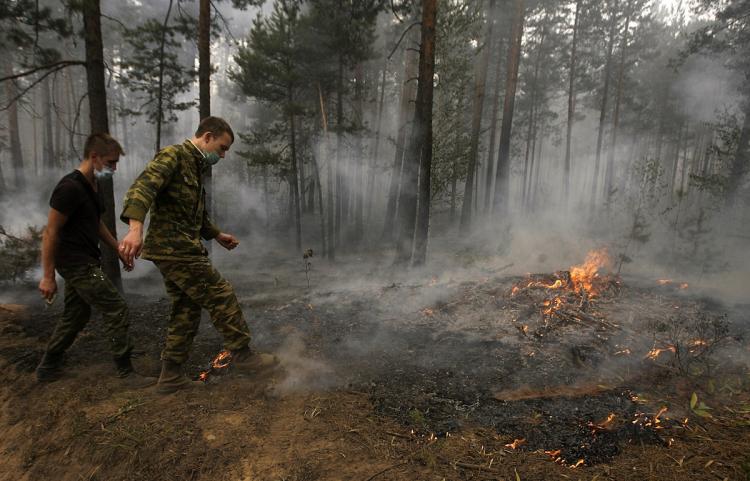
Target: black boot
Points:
(172, 379)
(130, 378)
(49, 368)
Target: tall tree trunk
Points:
(160, 88)
(458, 131)
(609, 173)
(375, 151)
(47, 133)
(490, 177)
(338, 218)
(502, 176)
(316, 171)
(532, 131)
(571, 104)
(295, 180)
(408, 90)
(420, 149)
(330, 245)
(605, 98)
(359, 188)
(14, 137)
(480, 81)
(97, 95)
(204, 88)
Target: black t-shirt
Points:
(79, 237)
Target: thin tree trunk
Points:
(14, 137)
(493, 130)
(359, 188)
(160, 88)
(329, 243)
(531, 134)
(502, 177)
(375, 150)
(295, 181)
(419, 156)
(204, 88)
(47, 133)
(99, 123)
(408, 90)
(609, 173)
(605, 98)
(476, 122)
(340, 196)
(571, 105)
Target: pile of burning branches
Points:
(566, 297)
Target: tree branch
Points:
(55, 65)
(402, 38)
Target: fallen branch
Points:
(386, 470)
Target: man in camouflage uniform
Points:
(71, 246)
(171, 187)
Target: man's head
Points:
(104, 152)
(214, 135)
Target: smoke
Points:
(301, 372)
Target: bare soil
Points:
(444, 376)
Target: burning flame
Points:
(516, 443)
(221, 361)
(584, 276)
(655, 352)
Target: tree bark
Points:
(375, 150)
(48, 151)
(493, 131)
(295, 180)
(14, 137)
(609, 173)
(502, 176)
(423, 117)
(476, 121)
(419, 152)
(571, 105)
(99, 121)
(605, 98)
(408, 90)
(160, 88)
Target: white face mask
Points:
(105, 173)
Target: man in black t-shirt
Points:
(70, 245)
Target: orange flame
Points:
(221, 361)
(656, 352)
(516, 443)
(584, 276)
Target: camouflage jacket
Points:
(171, 186)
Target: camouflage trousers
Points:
(194, 285)
(86, 286)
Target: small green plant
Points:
(699, 407)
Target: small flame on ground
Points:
(516, 443)
(428, 312)
(655, 352)
(625, 352)
(221, 361)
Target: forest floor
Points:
(447, 375)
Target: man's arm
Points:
(55, 221)
(138, 200)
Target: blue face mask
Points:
(211, 158)
(105, 173)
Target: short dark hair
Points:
(102, 144)
(215, 125)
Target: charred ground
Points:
(444, 376)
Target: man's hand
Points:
(132, 244)
(125, 265)
(227, 241)
(48, 288)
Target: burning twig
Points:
(218, 364)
